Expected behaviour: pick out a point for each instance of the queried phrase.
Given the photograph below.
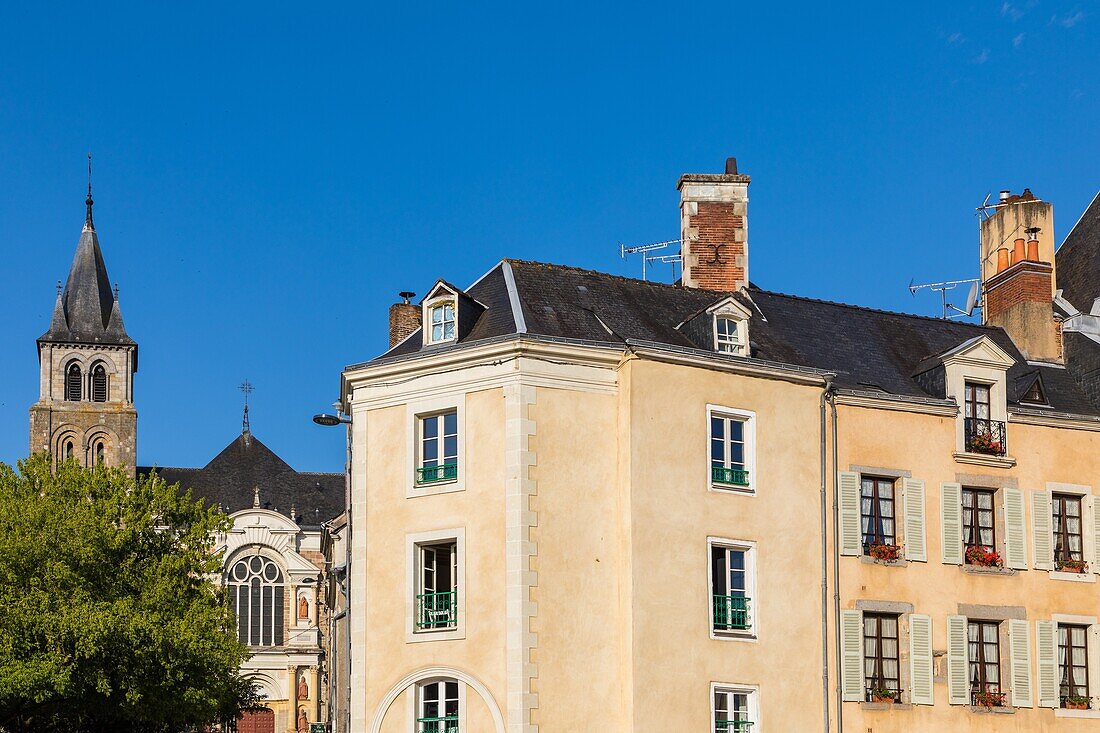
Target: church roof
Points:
(87, 311)
(246, 468)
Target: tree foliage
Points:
(109, 617)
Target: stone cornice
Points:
(897, 403)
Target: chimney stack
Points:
(714, 229)
(404, 318)
(1018, 276)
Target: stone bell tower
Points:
(85, 409)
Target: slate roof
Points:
(867, 349)
(1078, 260)
(230, 479)
(87, 311)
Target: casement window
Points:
(1073, 664)
(734, 709)
(99, 383)
(256, 597)
(984, 654)
(437, 707)
(877, 512)
(74, 382)
(731, 597)
(981, 433)
(978, 519)
(437, 588)
(881, 668)
(977, 401)
(437, 447)
(728, 335)
(1066, 516)
(731, 449)
(441, 322)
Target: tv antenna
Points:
(644, 249)
(951, 311)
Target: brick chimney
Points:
(1018, 276)
(404, 318)
(714, 229)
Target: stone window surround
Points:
(748, 417)
(1093, 640)
(750, 588)
(413, 412)
(412, 583)
(753, 691)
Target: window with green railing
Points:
(733, 710)
(731, 613)
(437, 725)
(438, 448)
(437, 706)
(729, 451)
(731, 582)
(437, 610)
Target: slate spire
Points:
(89, 310)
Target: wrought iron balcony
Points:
(437, 725)
(729, 476)
(985, 436)
(732, 726)
(731, 613)
(435, 611)
(433, 474)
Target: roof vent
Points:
(1004, 195)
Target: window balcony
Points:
(985, 436)
(437, 725)
(731, 613)
(437, 611)
(732, 726)
(435, 474)
(729, 476)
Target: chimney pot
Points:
(1033, 250)
(1018, 251)
(731, 166)
(1002, 259)
(1004, 195)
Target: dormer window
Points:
(441, 322)
(728, 335)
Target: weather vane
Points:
(246, 389)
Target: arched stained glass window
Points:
(256, 596)
(73, 379)
(99, 383)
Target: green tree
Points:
(110, 619)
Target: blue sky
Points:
(267, 179)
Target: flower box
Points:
(1072, 566)
(989, 699)
(983, 558)
(884, 552)
(1076, 703)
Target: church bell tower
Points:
(85, 409)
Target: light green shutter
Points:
(1015, 544)
(920, 658)
(958, 661)
(1046, 649)
(1042, 530)
(1019, 642)
(951, 523)
(851, 656)
(849, 514)
(915, 545)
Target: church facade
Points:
(273, 566)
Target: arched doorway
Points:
(257, 720)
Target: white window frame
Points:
(429, 308)
(413, 542)
(1094, 661)
(425, 408)
(736, 345)
(749, 419)
(413, 701)
(753, 692)
(749, 548)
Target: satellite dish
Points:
(972, 299)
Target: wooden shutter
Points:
(1095, 501)
(851, 656)
(1046, 649)
(958, 661)
(915, 545)
(951, 523)
(1015, 544)
(920, 658)
(1019, 643)
(1042, 530)
(850, 534)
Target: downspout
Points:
(836, 569)
(825, 394)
